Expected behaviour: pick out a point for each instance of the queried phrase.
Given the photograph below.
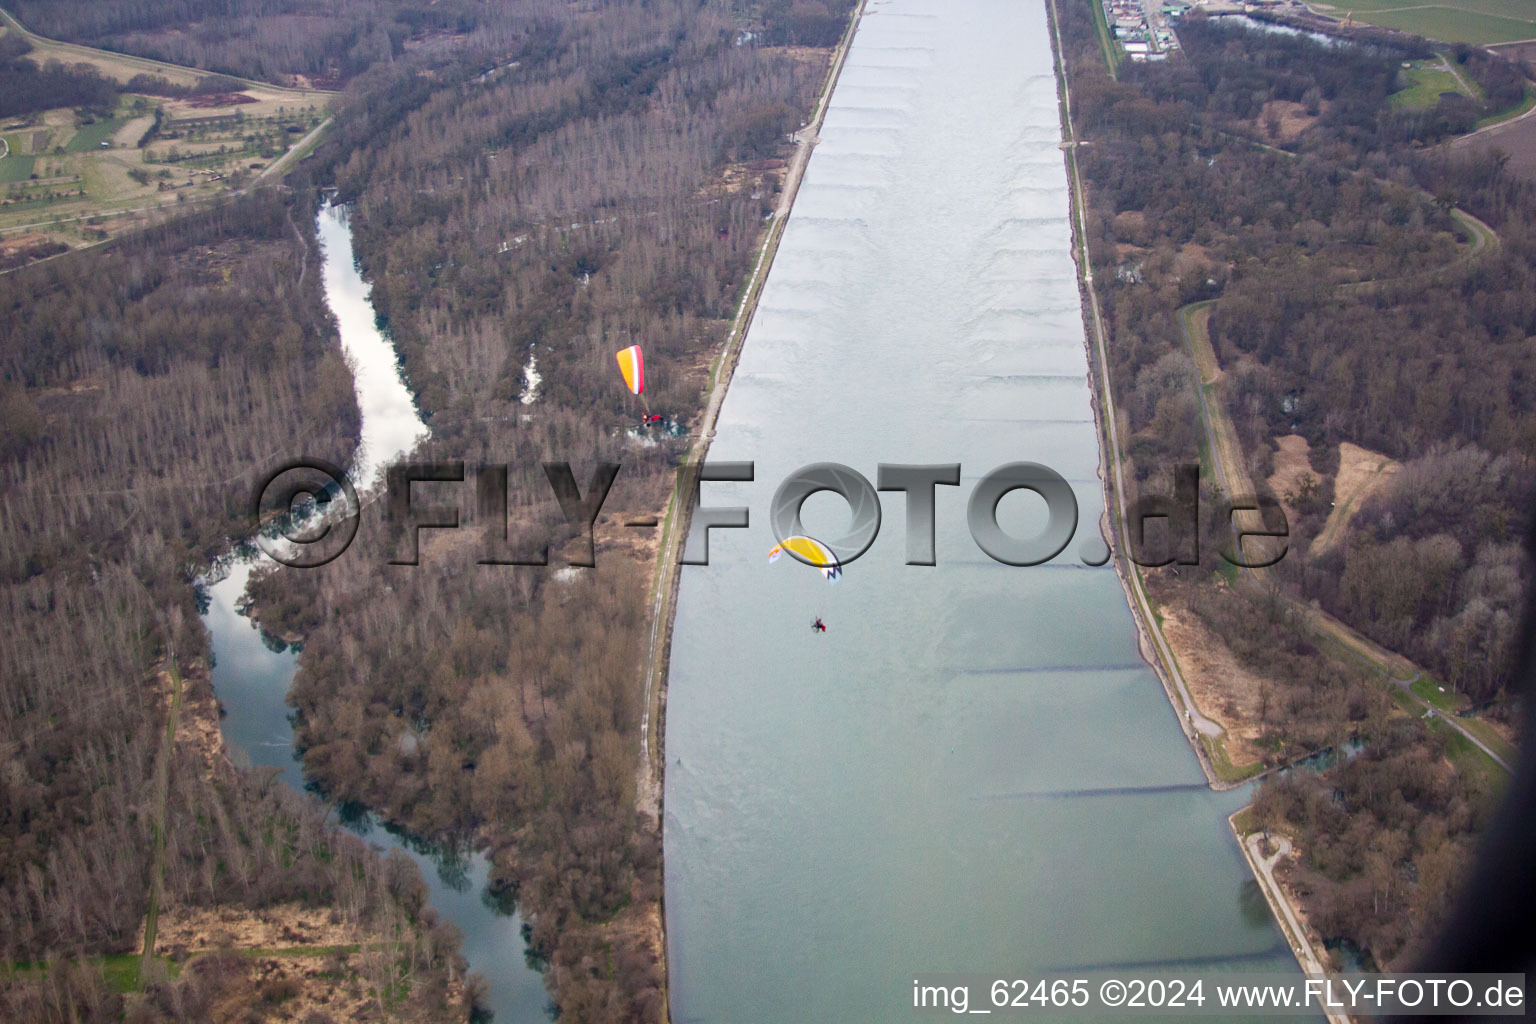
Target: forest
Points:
(1320, 252)
(530, 184)
(329, 42)
(1269, 182)
(609, 190)
(541, 184)
(273, 41)
(144, 386)
(26, 88)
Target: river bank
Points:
(316, 959)
(1150, 641)
(678, 514)
(251, 671)
(1300, 937)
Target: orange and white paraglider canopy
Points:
(632, 366)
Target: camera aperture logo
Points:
(307, 513)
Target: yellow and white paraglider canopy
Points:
(812, 551)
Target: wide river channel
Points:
(972, 770)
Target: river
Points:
(252, 671)
(972, 770)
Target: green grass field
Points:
(1429, 81)
(1519, 10)
(16, 168)
(1451, 21)
(93, 135)
(1427, 689)
(1476, 766)
(1226, 771)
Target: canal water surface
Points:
(972, 769)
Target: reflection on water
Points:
(1260, 25)
(971, 770)
(252, 670)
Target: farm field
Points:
(1517, 138)
(1451, 21)
(75, 181)
(80, 177)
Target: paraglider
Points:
(811, 551)
(632, 366)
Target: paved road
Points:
(1450, 720)
(1492, 127)
(280, 166)
(1296, 933)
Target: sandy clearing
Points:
(288, 924)
(1362, 473)
(300, 943)
(197, 727)
(1223, 688)
(129, 134)
(1293, 119)
(1292, 467)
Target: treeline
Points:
(1442, 378)
(1354, 303)
(804, 22)
(26, 88)
(1433, 567)
(232, 842)
(327, 41)
(157, 85)
(556, 211)
(1384, 840)
(1352, 308)
(1347, 83)
(1501, 82)
(143, 386)
(1384, 834)
(1190, 202)
(1234, 70)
